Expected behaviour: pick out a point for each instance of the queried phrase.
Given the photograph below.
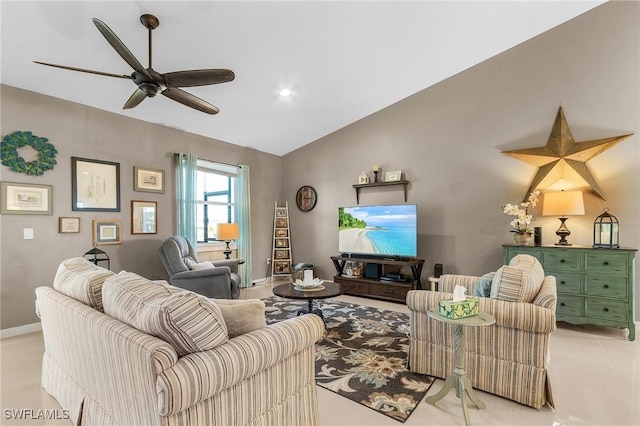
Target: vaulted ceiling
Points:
(342, 60)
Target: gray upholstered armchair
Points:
(221, 281)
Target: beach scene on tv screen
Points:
(378, 230)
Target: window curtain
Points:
(186, 167)
(244, 220)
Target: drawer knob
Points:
(562, 282)
(561, 303)
(606, 286)
(606, 309)
(561, 260)
(605, 263)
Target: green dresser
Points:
(595, 286)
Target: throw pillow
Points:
(81, 280)
(242, 316)
(483, 285)
(188, 321)
(519, 281)
(201, 265)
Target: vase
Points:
(522, 239)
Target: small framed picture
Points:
(144, 217)
(68, 225)
(281, 254)
(281, 222)
(282, 266)
(282, 242)
(148, 180)
(280, 233)
(26, 198)
(107, 231)
(364, 179)
(281, 212)
(393, 176)
(95, 185)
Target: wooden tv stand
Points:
(395, 291)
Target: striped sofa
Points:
(509, 358)
(106, 372)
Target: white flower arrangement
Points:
(521, 211)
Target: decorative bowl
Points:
(315, 283)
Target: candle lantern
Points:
(606, 231)
(96, 255)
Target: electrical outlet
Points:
(268, 261)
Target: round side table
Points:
(459, 379)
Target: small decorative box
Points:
(462, 309)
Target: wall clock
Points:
(306, 198)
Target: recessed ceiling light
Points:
(285, 92)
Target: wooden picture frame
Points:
(282, 243)
(281, 212)
(282, 232)
(281, 222)
(68, 225)
(144, 217)
(26, 198)
(146, 179)
(282, 266)
(393, 176)
(95, 185)
(107, 231)
(282, 254)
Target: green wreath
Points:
(10, 157)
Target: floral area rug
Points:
(363, 355)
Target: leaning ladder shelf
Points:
(281, 254)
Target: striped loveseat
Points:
(106, 372)
(509, 358)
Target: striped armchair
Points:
(509, 358)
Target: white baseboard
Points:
(17, 331)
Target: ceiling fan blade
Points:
(198, 77)
(190, 100)
(108, 74)
(119, 46)
(135, 99)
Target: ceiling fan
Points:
(151, 82)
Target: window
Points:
(216, 198)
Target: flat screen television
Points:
(384, 231)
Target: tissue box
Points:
(462, 309)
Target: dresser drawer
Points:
(354, 287)
(606, 309)
(570, 305)
(563, 261)
(609, 286)
(606, 263)
(392, 291)
(567, 282)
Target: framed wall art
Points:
(281, 212)
(144, 217)
(281, 254)
(393, 176)
(281, 222)
(282, 233)
(282, 242)
(107, 231)
(95, 185)
(282, 266)
(148, 180)
(26, 198)
(68, 225)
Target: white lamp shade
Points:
(564, 203)
(228, 231)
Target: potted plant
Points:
(521, 224)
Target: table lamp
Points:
(564, 203)
(228, 232)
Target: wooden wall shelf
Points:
(358, 187)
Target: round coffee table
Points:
(289, 292)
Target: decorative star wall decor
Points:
(563, 158)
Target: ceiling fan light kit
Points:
(150, 82)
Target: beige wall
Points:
(448, 140)
(80, 131)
